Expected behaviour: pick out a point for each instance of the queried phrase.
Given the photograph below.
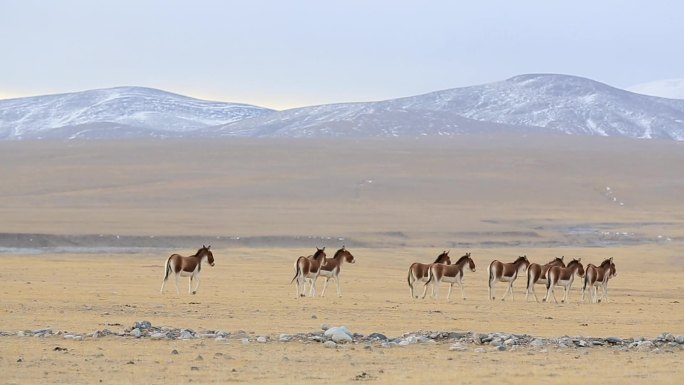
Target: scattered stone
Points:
(186, 335)
(174, 351)
(285, 338)
(457, 347)
(329, 344)
(614, 340)
(199, 358)
(313, 316)
(60, 349)
(158, 335)
(334, 336)
(377, 337)
(194, 368)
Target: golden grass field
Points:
(391, 202)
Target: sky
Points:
(284, 54)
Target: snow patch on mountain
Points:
(145, 109)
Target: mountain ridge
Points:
(525, 103)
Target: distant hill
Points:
(526, 103)
(115, 113)
(557, 103)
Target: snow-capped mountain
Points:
(526, 103)
(546, 102)
(115, 112)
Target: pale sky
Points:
(290, 53)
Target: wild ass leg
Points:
(462, 290)
(451, 286)
(510, 289)
(337, 282)
(435, 289)
(190, 284)
(604, 297)
(197, 278)
(491, 289)
(425, 287)
(312, 292)
(549, 290)
(177, 276)
(565, 295)
(325, 284)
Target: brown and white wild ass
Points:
(190, 266)
(449, 273)
(308, 268)
(419, 272)
(505, 272)
(598, 276)
(331, 269)
(536, 274)
(563, 276)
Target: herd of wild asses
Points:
(309, 268)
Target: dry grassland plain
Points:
(262, 203)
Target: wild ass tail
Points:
(490, 273)
(167, 271)
(297, 271)
(430, 276)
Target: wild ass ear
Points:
(208, 247)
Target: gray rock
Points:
(457, 347)
(262, 339)
(501, 348)
(537, 343)
(581, 343)
(614, 340)
(329, 344)
(158, 335)
(377, 337)
(480, 350)
(186, 335)
(679, 340)
(341, 337)
(645, 346)
(245, 341)
(135, 333)
(404, 343)
(338, 329)
(143, 325)
(285, 338)
(325, 327)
